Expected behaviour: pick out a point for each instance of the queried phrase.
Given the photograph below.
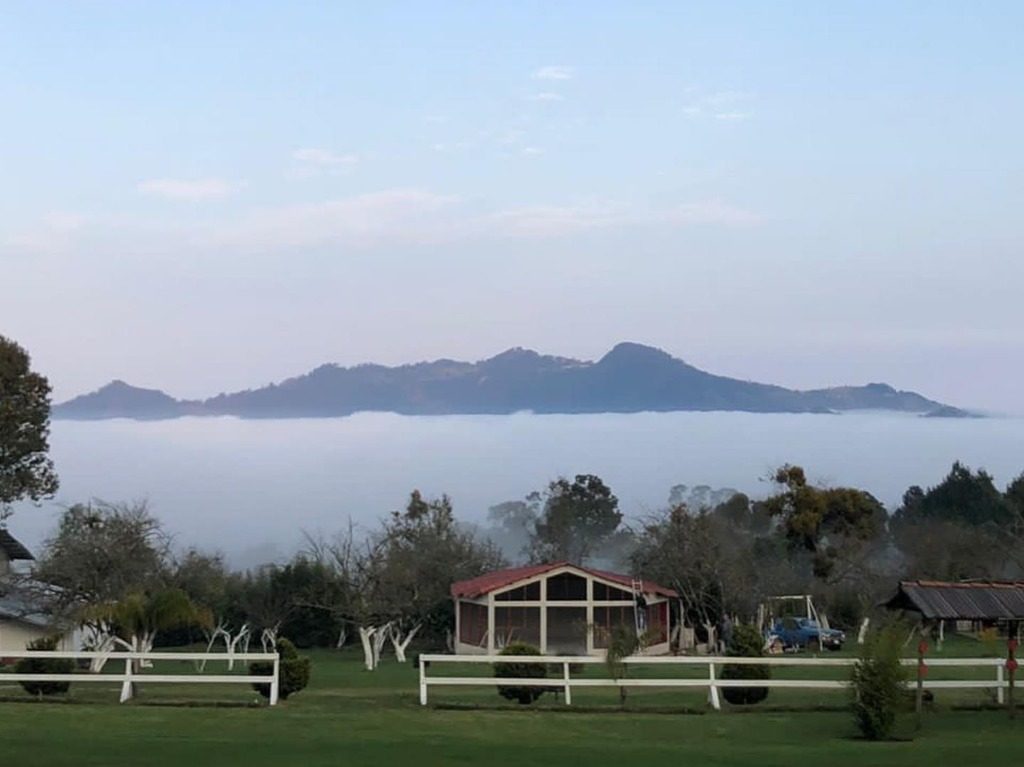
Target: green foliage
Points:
(102, 552)
(964, 497)
(747, 642)
(829, 523)
(878, 684)
(26, 471)
(45, 666)
(293, 674)
(576, 519)
(524, 695)
(147, 614)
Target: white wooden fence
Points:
(566, 683)
(132, 674)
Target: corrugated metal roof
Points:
(488, 582)
(966, 600)
(12, 546)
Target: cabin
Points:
(561, 608)
(20, 621)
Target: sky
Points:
(210, 196)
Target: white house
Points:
(20, 622)
(562, 609)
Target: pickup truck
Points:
(798, 633)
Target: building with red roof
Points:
(561, 608)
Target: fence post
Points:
(1011, 668)
(126, 685)
(1000, 680)
(568, 686)
(275, 683)
(716, 704)
(423, 682)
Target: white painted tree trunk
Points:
(449, 640)
(342, 637)
(863, 632)
(401, 643)
(373, 639)
(366, 637)
(268, 639)
(231, 644)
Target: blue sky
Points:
(210, 196)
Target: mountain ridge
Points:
(629, 378)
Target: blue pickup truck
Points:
(798, 633)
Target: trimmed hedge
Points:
(523, 695)
(45, 666)
(293, 675)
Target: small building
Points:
(20, 621)
(561, 608)
(989, 601)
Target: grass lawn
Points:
(351, 717)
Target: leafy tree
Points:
(833, 525)
(964, 497)
(1015, 496)
(100, 553)
(138, 617)
(878, 684)
(26, 471)
(421, 551)
(576, 519)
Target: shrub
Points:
(747, 642)
(878, 684)
(45, 666)
(524, 695)
(293, 675)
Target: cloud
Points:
(324, 158)
(546, 96)
(398, 215)
(733, 116)
(531, 151)
(720, 105)
(554, 73)
(188, 190)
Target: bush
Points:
(45, 666)
(878, 684)
(747, 642)
(293, 675)
(524, 695)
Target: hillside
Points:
(630, 378)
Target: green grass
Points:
(351, 717)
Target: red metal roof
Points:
(488, 582)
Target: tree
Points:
(746, 642)
(576, 519)
(26, 471)
(964, 497)
(833, 525)
(878, 684)
(421, 551)
(101, 552)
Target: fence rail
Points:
(566, 683)
(133, 673)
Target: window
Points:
(607, 619)
(472, 623)
(527, 593)
(567, 586)
(516, 624)
(605, 593)
(567, 630)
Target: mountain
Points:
(628, 379)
